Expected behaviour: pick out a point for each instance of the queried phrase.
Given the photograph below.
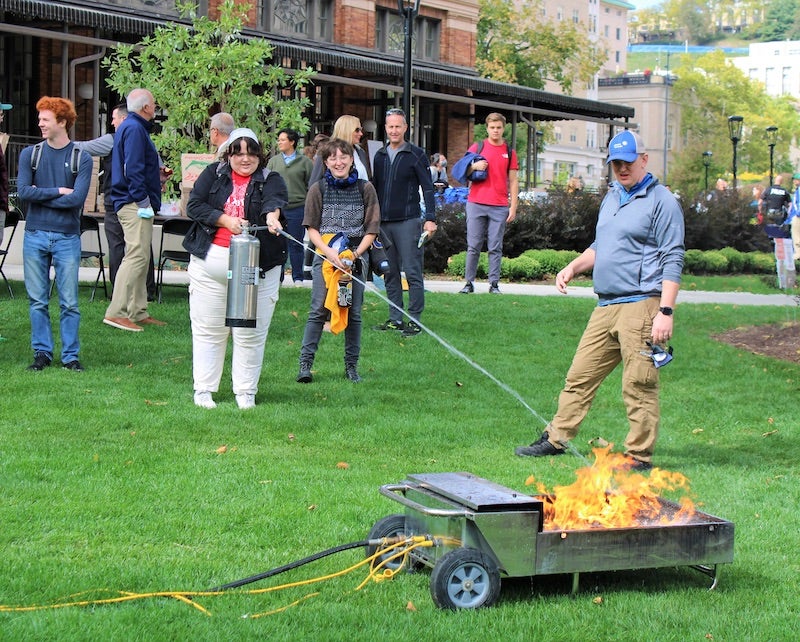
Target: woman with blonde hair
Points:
(347, 128)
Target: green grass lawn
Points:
(112, 480)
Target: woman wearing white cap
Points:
(236, 191)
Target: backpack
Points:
(508, 149)
(75, 159)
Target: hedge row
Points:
(537, 265)
(719, 225)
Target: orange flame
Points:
(608, 495)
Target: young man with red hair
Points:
(54, 193)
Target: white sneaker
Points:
(203, 399)
(246, 401)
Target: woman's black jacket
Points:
(265, 192)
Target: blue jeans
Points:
(39, 250)
(294, 226)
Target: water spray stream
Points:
(453, 350)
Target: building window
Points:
(576, 16)
(312, 19)
(390, 36)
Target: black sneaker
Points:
(40, 362)
(494, 288)
(390, 325)
(467, 289)
(352, 374)
(637, 465)
(411, 329)
(73, 365)
(304, 376)
(540, 448)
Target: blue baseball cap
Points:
(625, 146)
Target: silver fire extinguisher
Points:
(243, 271)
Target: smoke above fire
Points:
(607, 494)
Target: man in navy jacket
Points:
(136, 196)
(399, 171)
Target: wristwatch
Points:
(667, 312)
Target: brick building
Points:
(356, 46)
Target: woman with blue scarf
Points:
(342, 217)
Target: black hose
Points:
(291, 565)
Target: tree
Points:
(779, 20)
(709, 89)
(693, 16)
(516, 45)
(196, 71)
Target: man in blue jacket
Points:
(637, 259)
(136, 196)
(399, 171)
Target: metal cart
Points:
(483, 531)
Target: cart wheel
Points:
(389, 526)
(465, 579)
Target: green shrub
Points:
(522, 268)
(458, 264)
(693, 262)
(738, 262)
(715, 262)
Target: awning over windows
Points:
(382, 70)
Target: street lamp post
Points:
(706, 162)
(409, 10)
(772, 139)
(735, 124)
(537, 147)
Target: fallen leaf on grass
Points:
(767, 434)
(312, 507)
(294, 314)
(222, 450)
(770, 421)
(598, 442)
(598, 600)
(530, 480)
(155, 403)
(410, 606)
(459, 384)
(343, 465)
(697, 431)
(291, 436)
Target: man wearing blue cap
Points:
(636, 261)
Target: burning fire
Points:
(608, 495)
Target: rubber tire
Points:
(389, 526)
(465, 579)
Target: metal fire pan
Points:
(702, 540)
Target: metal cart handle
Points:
(392, 491)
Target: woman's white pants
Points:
(208, 295)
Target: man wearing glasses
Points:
(399, 171)
(636, 261)
(136, 196)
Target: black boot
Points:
(305, 376)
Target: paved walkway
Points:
(14, 272)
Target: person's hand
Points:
(64, 190)
(662, 328)
(430, 227)
(480, 165)
(564, 277)
(234, 224)
(274, 224)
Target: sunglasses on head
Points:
(394, 111)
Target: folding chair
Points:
(91, 226)
(176, 228)
(10, 227)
